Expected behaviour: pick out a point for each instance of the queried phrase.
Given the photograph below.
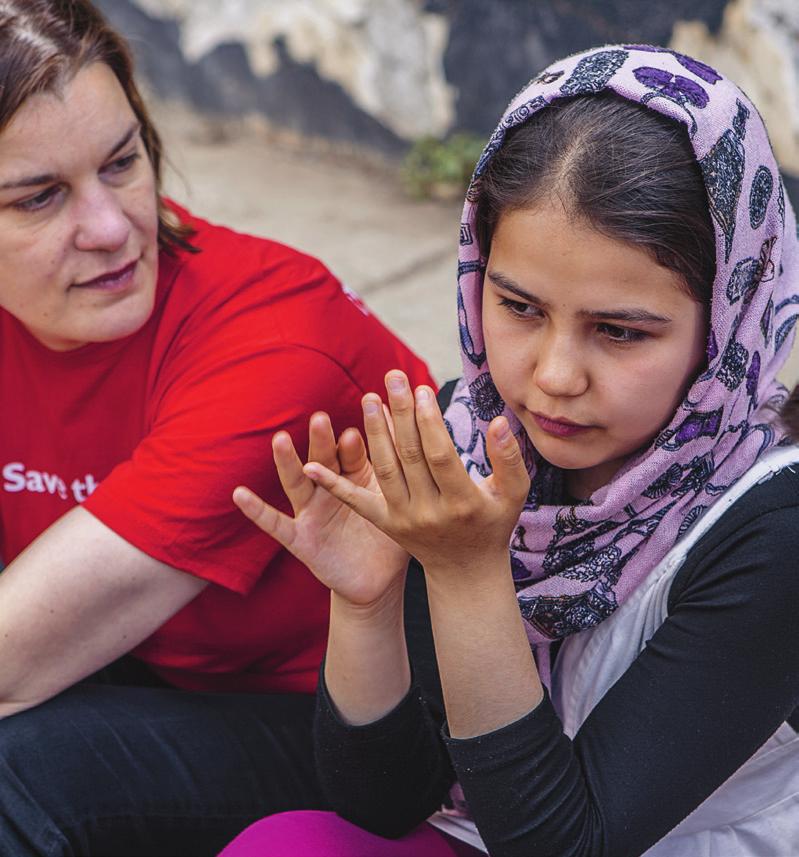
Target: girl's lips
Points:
(558, 428)
(114, 281)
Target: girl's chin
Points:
(562, 452)
(596, 470)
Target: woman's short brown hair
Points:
(44, 44)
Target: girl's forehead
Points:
(548, 253)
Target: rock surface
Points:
(758, 47)
(382, 73)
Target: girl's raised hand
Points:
(427, 503)
(341, 548)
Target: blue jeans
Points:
(112, 770)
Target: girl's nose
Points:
(101, 222)
(561, 369)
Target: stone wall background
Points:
(379, 74)
(374, 75)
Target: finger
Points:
(509, 477)
(445, 466)
(362, 501)
(296, 484)
(352, 452)
(385, 462)
(274, 523)
(407, 440)
(322, 441)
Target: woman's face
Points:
(78, 215)
(590, 342)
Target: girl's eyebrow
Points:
(501, 281)
(49, 178)
(636, 315)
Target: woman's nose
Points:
(101, 222)
(561, 369)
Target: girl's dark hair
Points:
(790, 415)
(627, 171)
(44, 44)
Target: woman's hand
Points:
(427, 503)
(343, 550)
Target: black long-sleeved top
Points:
(715, 681)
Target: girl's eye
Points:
(621, 334)
(122, 165)
(518, 309)
(38, 202)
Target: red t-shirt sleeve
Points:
(172, 499)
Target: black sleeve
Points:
(713, 684)
(390, 775)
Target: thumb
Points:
(273, 522)
(510, 476)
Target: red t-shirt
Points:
(155, 430)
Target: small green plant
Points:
(441, 169)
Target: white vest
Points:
(755, 813)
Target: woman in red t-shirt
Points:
(148, 358)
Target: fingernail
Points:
(371, 407)
(423, 396)
(396, 383)
(503, 432)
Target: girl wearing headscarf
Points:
(605, 515)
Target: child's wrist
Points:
(381, 610)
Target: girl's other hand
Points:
(342, 549)
(427, 503)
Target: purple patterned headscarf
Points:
(574, 565)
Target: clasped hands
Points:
(355, 521)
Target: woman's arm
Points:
(74, 600)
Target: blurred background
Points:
(348, 128)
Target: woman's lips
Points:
(113, 281)
(558, 427)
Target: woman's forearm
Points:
(367, 671)
(488, 674)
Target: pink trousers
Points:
(323, 834)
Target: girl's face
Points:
(590, 342)
(78, 215)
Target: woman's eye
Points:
(621, 334)
(519, 309)
(121, 165)
(38, 202)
